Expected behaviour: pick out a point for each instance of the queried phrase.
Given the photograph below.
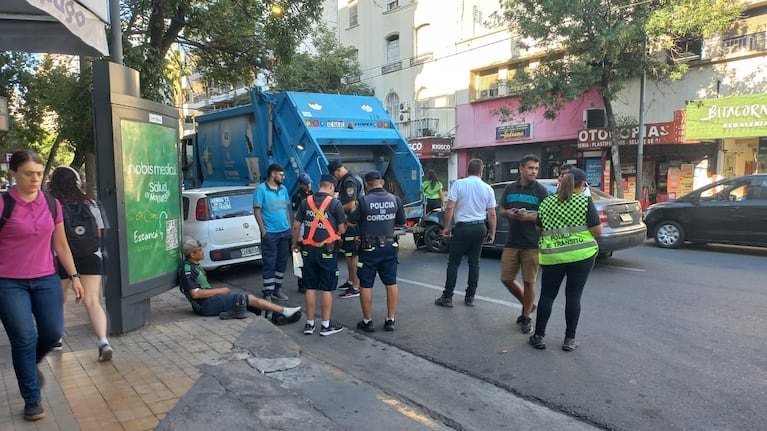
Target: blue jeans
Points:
(275, 248)
(467, 240)
(22, 304)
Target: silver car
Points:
(622, 225)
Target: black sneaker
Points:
(350, 293)
(331, 329)
(444, 302)
(59, 346)
(520, 319)
(234, 313)
(537, 342)
(526, 326)
(570, 344)
(367, 327)
(469, 301)
(33, 411)
(345, 285)
(309, 329)
(389, 325)
(279, 296)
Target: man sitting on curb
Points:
(208, 301)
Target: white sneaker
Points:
(289, 311)
(105, 353)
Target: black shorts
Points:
(86, 265)
(349, 242)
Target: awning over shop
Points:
(727, 117)
(61, 27)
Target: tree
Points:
(604, 45)
(231, 41)
(330, 68)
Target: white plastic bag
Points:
(298, 263)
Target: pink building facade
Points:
(500, 145)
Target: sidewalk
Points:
(185, 372)
(153, 367)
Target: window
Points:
(392, 103)
(392, 48)
(487, 84)
(353, 19)
(392, 4)
(423, 45)
(746, 43)
(687, 50)
(393, 61)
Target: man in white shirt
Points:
(469, 202)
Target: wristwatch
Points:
(75, 275)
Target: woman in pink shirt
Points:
(31, 302)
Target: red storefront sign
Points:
(655, 133)
(431, 148)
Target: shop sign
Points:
(655, 133)
(727, 117)
(513, 132)
(431, 149)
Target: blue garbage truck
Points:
(302, 132)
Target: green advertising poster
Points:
(150, 168)
(727, 117)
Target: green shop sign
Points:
(727, 117)
(152, 215)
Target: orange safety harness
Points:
(319, 215)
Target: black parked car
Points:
(621, 221)
(731, 211)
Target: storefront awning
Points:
(60, 27)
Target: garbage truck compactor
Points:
(302, 132)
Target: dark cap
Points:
(372, 176)
(304, 178)
(334, 164)
(329, 179)
(191, 245)
(578, 175)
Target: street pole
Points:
(117, 37)
(640, 144)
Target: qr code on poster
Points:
(171, 234)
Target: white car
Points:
(221, 218)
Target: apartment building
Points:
(437, 66)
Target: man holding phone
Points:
(519, 204)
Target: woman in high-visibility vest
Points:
(432, 192)
(569, 223)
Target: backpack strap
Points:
(51, 205)
(8, 204)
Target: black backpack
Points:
(81, 228)
(9, 203)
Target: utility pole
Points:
(640, 144)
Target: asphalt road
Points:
(670, 339)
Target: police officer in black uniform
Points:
(322, 218)
(349, 190)
(378, 213)
(304, 190)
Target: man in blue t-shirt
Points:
(272, 207)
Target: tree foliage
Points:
(231, 41)
(603, 45)
(330, 68)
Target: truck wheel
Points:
(434, 240)
(669, 234)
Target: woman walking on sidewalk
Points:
(31, 302)
(85, 241)
(569, 222)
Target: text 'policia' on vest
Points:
(569, 239)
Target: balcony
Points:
(421, 58)
(745, 44)
(391, 67)
(421, 128)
